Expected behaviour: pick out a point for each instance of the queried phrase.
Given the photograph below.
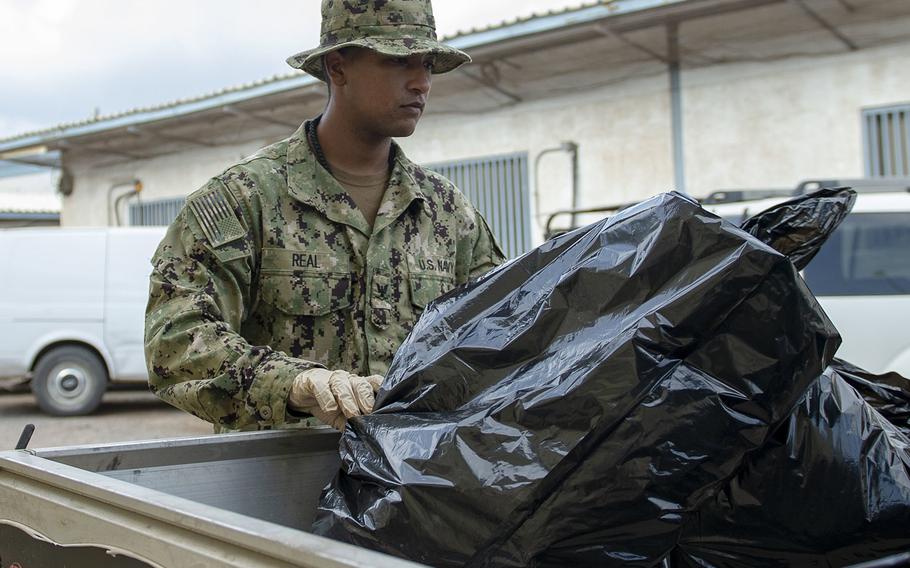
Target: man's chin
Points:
(402, 128)
(403, 131)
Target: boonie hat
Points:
(398, 28)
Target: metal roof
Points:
(22, 203)
(465, 40)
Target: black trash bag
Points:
(798, 228)
(889, 394)
(831, 488)
(576, 404)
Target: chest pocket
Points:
(431, 276)
(304, 283)
(426, 288)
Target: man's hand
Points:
(333, 396)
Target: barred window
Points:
(160, 212)
(498, 187)
(886, 141)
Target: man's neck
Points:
(351, 149)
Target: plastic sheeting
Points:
(577, 404)
(798, 228)
(889, 394)
(831, 488)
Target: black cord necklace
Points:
(313, 139)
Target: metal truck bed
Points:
(231, 500)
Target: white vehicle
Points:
(862, 275)
(72, 307)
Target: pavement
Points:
(123, 416)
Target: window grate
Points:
(498, 187)
(161, 212)
(886, 141)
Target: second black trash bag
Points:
(889, 394)
(575, 405)
(831, 488)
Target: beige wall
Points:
(167, 176)
(775, 124)
(623, 134)
(754, 125)
(746, 125)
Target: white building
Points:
(693, 95)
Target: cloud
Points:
(62, 59)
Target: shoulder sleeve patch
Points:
(217, 219)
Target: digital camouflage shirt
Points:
(271, 270)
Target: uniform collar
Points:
(310, 183)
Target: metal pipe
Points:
(136, 186)
(571, 147)
(676, 109)
(548, 228)
(25, 437)
(576, 188)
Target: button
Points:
(265, 412)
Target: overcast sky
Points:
(62, 59)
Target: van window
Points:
(868, 255)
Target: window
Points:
(498, 187)
(869, 255)
(155, 213)
(886, 141)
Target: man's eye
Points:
(430, 65)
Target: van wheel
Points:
(69, 381)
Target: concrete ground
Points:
(123, 416)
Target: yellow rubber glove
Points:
(333, 396)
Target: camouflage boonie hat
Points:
(392, 27)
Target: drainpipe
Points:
(571, 148)
(679, 157)
(136, 186)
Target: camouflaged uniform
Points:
(271, 270)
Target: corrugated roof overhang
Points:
(512, 60)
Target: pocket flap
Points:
(425, 289)
(306, 294)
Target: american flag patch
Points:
(218, 221)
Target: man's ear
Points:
(334, 69)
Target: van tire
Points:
(69, 381)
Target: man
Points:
(285, 286)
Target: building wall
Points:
(172, 175)
(774, 124)
(623, 133)
(747, 125)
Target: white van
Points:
(862, 275)
(72, 308)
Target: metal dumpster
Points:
(230, 500)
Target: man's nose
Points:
(421, 80)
